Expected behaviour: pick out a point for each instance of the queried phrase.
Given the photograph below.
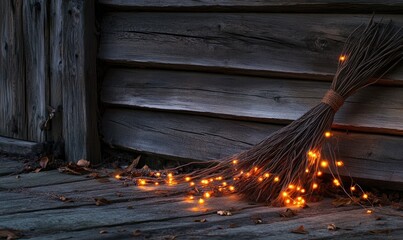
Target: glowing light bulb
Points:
(299, 198)
(298, 188)
(319, 173)
(302, 190)
(266, 175)
(336, 182)
(369, 211)
(191, 197)
(276, 179)
(365, 196)
(207, 195)
(324, 164)
(218, 178)
(307, 170)
(260, 179)
(204, 181)
(352, 188)
(191, 183)
(287, 201)
(211, 180)
(201, 201)
(224, 184)
(117, 176)
(328, 134)
(291, 186)
(156, 184)
(312, 154)
(158, 174)
(285, 194)
(170, 175)
(235, 161)
(256, 169)
(342, 58)
(315, 186)
(142, 182)
(231, 188)
(339, 163)
(187, 179)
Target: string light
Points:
(324, 164)
(328, 134)
(302, 190)
(204, 181)
(231, 188)
(191, 197)
(369, 211)
(276, 179)
(260, 179)
(192, 184)
(207, 195)
(291, 186)
(319, 173)
(336, 182)
(201, 201)
(307, 170)
(224, 184)
(142, 182)
(156, 183)
(315, 186)
(117, 176)
(365, 196)
(339, 163)
(287, 201)
(170, 175)
(266, 175)
(285, 194)
(187, 179)
(342, 58)
(235, 161)
(158, 174)
(352, 188)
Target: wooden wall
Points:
(205, 79)
(47, 60)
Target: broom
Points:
(284, 166)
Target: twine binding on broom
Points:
(333, 99)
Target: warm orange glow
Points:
(276, 179)
(117, 176)
(342, 58)
(158, 174)
(307, 170)
(369, 211)
(319, 173)
(299, 198)
(187, 179)
(204, 181)
(191, 183)
(256, 169)
(201, 201)
(266, 175)
(312, 154)
(248, 174)
(291, 186)
(365, 196)
(191, 197)
(287, 201)
(224, 184)
(235, 161)
(324, 164)
(336, 182)
(328, 134)
(315, 186)
(207, 195)
(302, 190)
(218, 178)
(231, 188)
(170, 175)
(298, 188)
(211, 179)
(260, 179)
(352, 188)
(156, 184)
(303, 201)
(285, 194)
(339, 163)
(142, 182)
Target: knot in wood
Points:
(333, 99)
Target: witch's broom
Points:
(286, 163)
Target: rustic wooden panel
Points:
(375, 109)
(12, 72)
(56, 67)
(36, 68)
(376, 157)
(292, 45)
(79, 81)
(341, 6)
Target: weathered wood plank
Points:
(79, 82)
(20, 147)
(56, 62)
(12, 72)
(36, 68)
(9, 166)
(242, 43)
(375, 109)
(362, 6)
(376, 157)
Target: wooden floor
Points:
(31, 203)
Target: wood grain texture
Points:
(366, 156)
(36, 66)
(79, 81)
(374, 109)
(367, 6)
(20, 147)
(242, 43)
(12, 72)
(56, 62)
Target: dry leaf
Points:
(37, 170)
(300, 230)
(201, 220)
(83, 163)
(103, 231)
(94, 175)
(43, 162)
(134, 164)
(9, 234)
(345, 201)
(136, 233)
(101, 201)
(224, 213)
(65, 199)
(332, 227)
(288, 213)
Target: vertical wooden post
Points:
(79, 82)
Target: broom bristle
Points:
(285, 165)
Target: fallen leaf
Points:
(224, 213)
(103, 231)
(72, 168)
(43, 162)
(136, 233)
(9, 234)
(134, 164)
(288, 213)
(332, 227)
(65, 199)
(101, 201)
(94, 175)
(300, 230)
(83, 163)
(37, 170)
(201, 220)
(345, 201)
